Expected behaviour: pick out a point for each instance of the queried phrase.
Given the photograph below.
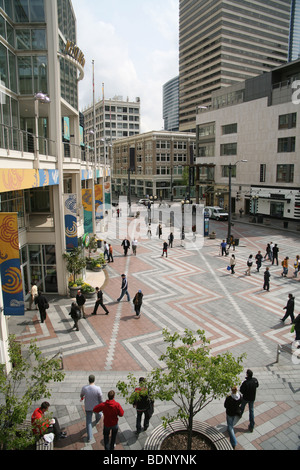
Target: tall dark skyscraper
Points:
(224, 42)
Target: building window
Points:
(228, 149)
(262, 173)
(207, 150)
(225, 171)
(286, 144)
(206, 129)
(287, 121)
(285, 174)
(229, 129)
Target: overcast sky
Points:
(134, 44)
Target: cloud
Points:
(134, 56)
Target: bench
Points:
(40, 443)
(160, 433)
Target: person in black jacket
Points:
(248, 390)
(137, 302)
(42, 304)
(99, 301)
(267, 276)
(143, 405)
(75, 314)
(232, 405)
(80, 300)
(289, 309)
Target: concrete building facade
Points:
(224, 42)
(152, 164)
(257, 121)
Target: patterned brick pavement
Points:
(189, 289)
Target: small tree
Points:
(191, 377)
(75, 262)
(92, 246)
(33, 373)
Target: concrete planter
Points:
(218, 440)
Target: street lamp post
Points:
(230, 166)
(43, 98)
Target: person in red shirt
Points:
(43, 425)
(111, 411)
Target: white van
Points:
(216, 213)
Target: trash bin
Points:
(285, 224)
(260, 219)
(236, 241)
(99, 243)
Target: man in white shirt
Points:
(92, 395)
(33, 294)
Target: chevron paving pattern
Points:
(189, 289)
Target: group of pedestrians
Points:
(236, 403)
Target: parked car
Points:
(216, 213)
(145, 201)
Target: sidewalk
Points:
(186, 290)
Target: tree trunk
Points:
(190, 426)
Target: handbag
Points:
(293, 329)
(228, 268)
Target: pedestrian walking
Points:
(268, 251)
(258, 258)
(75, 315)
(110, 254)
(41, 425)
(232, 264)
(112, 410)
(124, 288)
(271, 251)
(92, 396)
(249, 265)
(137, 302)
(126, 245)
(289, 309)
(267, 276)
(165, 249)
(285, 266)
(33, 294)
(171, 239)
(42, 303)
(80, 300)
(296, 265)
(134, 245)
(159, 231)
(149, 233)
(99, 301)
(106, 250)
(144, 406)
(275, 254)
(223, 248)
(297, 329)
(248, 391)
(232, 404)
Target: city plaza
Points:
(189, 289)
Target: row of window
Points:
(284, 145)
(285, 121)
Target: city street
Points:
(189, 289)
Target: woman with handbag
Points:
(249, 265)
(232, 405)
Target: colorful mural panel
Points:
(88, 210)
(71, 233)
(11, 277)
(99, 201)
(17, 179)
